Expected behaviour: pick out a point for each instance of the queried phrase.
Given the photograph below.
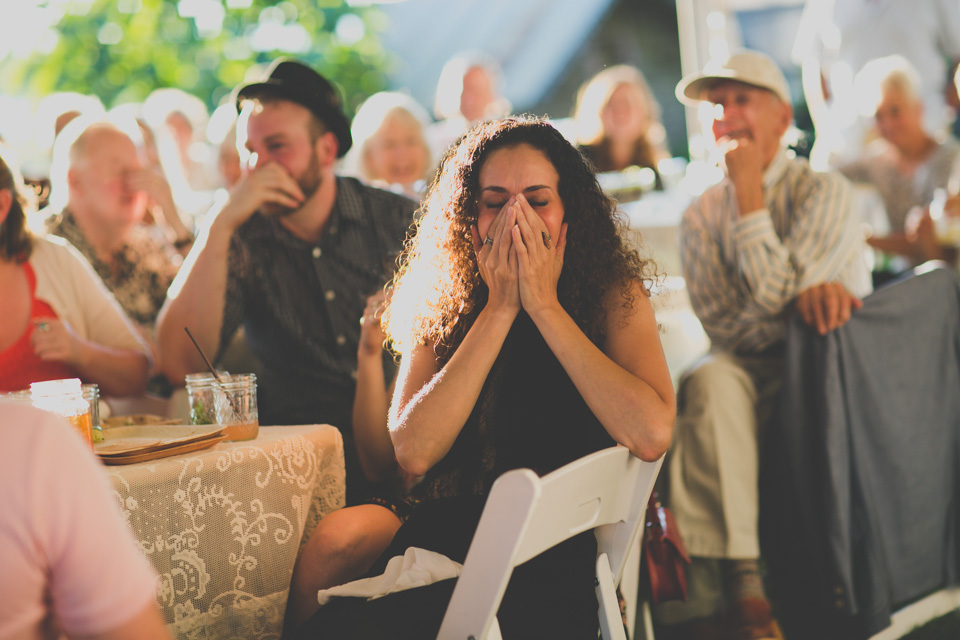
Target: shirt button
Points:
(316, 252)
(330, 295)
(341, 340)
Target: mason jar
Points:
(64, 398)
(235, 401)
(201, 390)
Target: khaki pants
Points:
(722, 405)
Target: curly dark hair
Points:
(16, 241)
(438, 291)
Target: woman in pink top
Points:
(69, 564)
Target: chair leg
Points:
(611, 623)
(630, 586)
(647, 622)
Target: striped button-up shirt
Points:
(300, 303)
(743, 272)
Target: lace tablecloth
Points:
(223, 526)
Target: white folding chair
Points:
(525, 515)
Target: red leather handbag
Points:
(664, 554)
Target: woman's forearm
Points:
(370, 405)
(431, 405)
(118, 372)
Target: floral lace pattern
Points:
(223, 526)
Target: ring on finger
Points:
(43, 326)
(546, 238)
(488, 240)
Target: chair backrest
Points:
(525, 515)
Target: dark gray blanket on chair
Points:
(860, 480)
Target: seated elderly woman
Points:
(617, 121)
(389, 147)
(906, 164)
(58, 320)
(528, 340)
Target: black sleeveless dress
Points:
(529, 414)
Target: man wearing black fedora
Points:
(292, 256)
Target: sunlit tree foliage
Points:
(120, 50)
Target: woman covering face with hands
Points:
(527, 340)
(520, 213)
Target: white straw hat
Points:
(750, 67)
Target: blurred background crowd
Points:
(59, 58)
(120, 114)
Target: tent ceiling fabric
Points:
(533, 40)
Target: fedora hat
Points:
(294, 81)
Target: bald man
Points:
(100, 194)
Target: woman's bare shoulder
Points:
(627, 299)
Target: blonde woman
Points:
(390, 150)
(617, 121)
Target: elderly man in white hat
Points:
(771, 237)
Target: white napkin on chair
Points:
(415, 568)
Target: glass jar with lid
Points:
(64, 398)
